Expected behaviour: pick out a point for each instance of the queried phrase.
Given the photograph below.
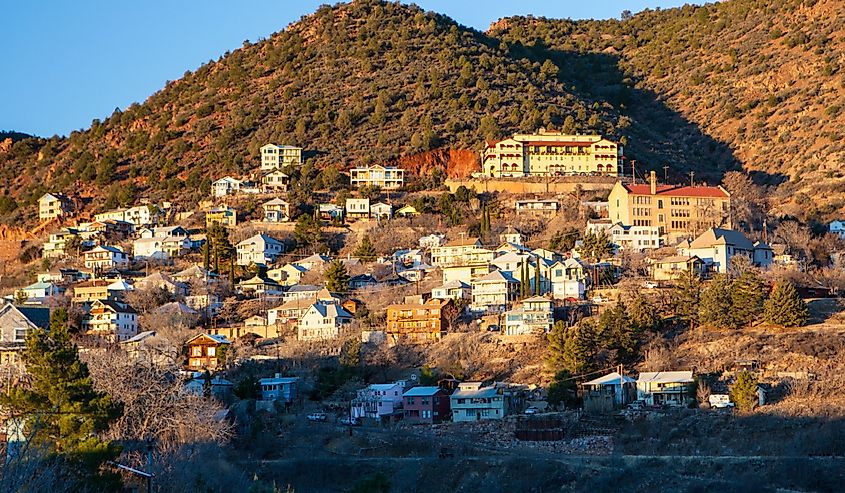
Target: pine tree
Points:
(366, 251)
(744, 392)
(337, 279)
(62, 410)
(716, 308)
(748, 292)
(643, 314)
(686, 296)
(523, 280)
(308, 233)
(537, 277)
(615, 331)
(784, 307)
(571, 348)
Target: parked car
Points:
(350, 421)
(650, 285)
(636, 406)
(532, 410)
(720, 401)
(317, 417)
(599, 299)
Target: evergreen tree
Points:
(643, 314)
(686, 297)
(63, 412)
(366, 251)
(716, 307)
(537, 277)
(220, 249)
(571, 348)
(523, 280)
(337, 279)
(744, 392)
(308, 233)
(615, 331)
(563, 390)
(748, 293)
(784, 307)
(596, 246)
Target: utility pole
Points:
(692, 178)
(634, 171)
(665, 173)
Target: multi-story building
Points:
(550, 153)
(276, 211)
(534, 316)
(53, 205)
(322, 321)
(717, 248)
(106, 257)
(113, 320)
(494, 292)
(277, 157)
(425, 405)
(474, 402)
(413, 323)
(275, 181)
(207, 351)
(15, 322)
(378, 400)
(57, 246)
(537, 207)
(569, 279)
(357, 209)
(224, 216)
(676, 211)
(385, 177)
(636, 238)
(259, 249)
(453, 290)
(226, 186)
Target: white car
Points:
(720, 401)
(532, 410)
(599, 299)
(317, 417)
(650, 285)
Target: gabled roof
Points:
(498, 276)
(421, 392)
(114, 306)
(228, 179)
(676, 259)
(719, 236)
(381, 205)
(36, 316)
(317, 258)
(220, 339)
(305, 288)
(257, 281)
(330, 310)
(106, 248)
(176, 307)
(678, 191)
(610, 379)
(195, 271)
(140, 337)
(260, 237)
(665, 377)
(303, 303)
(463, 242)
(455, 284)
(483, 392)
(276, 201)
(121, 285)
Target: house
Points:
(433, 240)
(551, 153)
(289, 312)
(53, 205)
(140, 215)
(417, 323)
(362, 281)
(276, 211)
(202, 383)
(511, 235)
(407, 211)
(95, 289)
(783, 256)
(275, 181)
(196, 273)
(384, 177)
(39, 291)
(425, 405)
(569, 279)
(316, 261)
(635, 238)
(260, 286)
(837, 228)
(330, 212)
(716, 247)
(224, 216)
(15, 322)
(57, 245)
(287, 275)
(226, 186)
(381, 211)
(534, 315)
(112, 320)
(279, 388)
(105, 258)
(159, 280)
(474, 402)
(453, 290)
(259, 249)
(463, 259)
(321, 322)
(207, 351)
(357, 209)
(161, 247)
(670, 388)
(305, 291)
(378, 400)
(676, 211)
(541, 207)
(278, 156)
(606, 393)
(670, 268)
(494, 292)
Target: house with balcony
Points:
(207, 352)
(453, 290)
(224, 216)
(279, 388)
(322, 322)
(672, 267)
(57, 245)
(540, 207)
(837, 228)
(161, 247)
(494, 293)
(717, 247)
(260, 286)
(425, 405)
(259, 249)
(53, 205)
(378, 400)
(462, 260)
(287, 275)
(226, 186)
(666, 388)
(472, 401)
(381, 211)
(290, 311)
(274, 181)
(417, 323)
(357, 209)
(636, 238)
(569, 279)
(276, 211)
(95, 289)
(15, 323)
(533, 315)
(384, 177)
(278, 156)
(104, 258)
(114, 321)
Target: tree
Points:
(784, 307)
(537, 277)
(563, 390)
(62, 411)
(686, 296)
(337, 279)
(571, 348)
(366, 251)
(643, 314)
(716, 308)
(748, 292)
(744, 392)
(221, 249)
(615, 331)
(596, 246)
(371, 192)
(308, 233)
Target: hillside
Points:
(764, 78)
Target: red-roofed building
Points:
(676, 210)
(549, 153)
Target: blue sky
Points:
(66, 63)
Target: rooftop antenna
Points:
(692, 178)
(665, 173)
(634, 170)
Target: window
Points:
(20, 334)
(212, 351)
(196, 351)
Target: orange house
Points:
(207, 351)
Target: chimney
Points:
(652, 179)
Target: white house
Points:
(672, 388)
(357, 208)
(161, 247)
(837, 228)
(226, 186)
(287, 275)
(52, 205)
(535, 315)
(453, 290)
(278, 156)
(474, 402)
(386, 177)
(545, 207)
(40, 290)
(381, 211)
(569, 279)
(322, 322)
(275, 181)
(636, 238)
(494, 292)
(259, 286)
(105, 257)
(316, 261)
(377, 400)
(276, 211)
(433, 240)
(112, 320)
(259, 249)
(717, 246)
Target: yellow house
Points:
(52, 205)
(278, 156)
(670, 268)
(386, 177)
(550, 153)
(676, 210)
(225, 216)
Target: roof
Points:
(280, 146)
(679, 191)
(537, 299)
(195, 271)
(301, 303)
(317, 258)
(304, 288)
(256, 280)
(176, 307)
(39, 285)
(462, 242)
(382, 386)
(121, 285)
(421, 392)
(676, 259)
(719, 236)
(37, 316)
(262, 237)
(475, 394)
(455, 284)
(497, 275)
(665, 376)
(220, 339)
(116, 306)
(106, 248)
(276, 201)
(330, 310)
(610, 379)
(140, 337)
(271, 380)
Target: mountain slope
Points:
(765, 78)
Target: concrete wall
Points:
(557, 185)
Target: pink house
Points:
(425, 404)
(378, 400)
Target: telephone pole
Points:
(665, 173)
(634, 171)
